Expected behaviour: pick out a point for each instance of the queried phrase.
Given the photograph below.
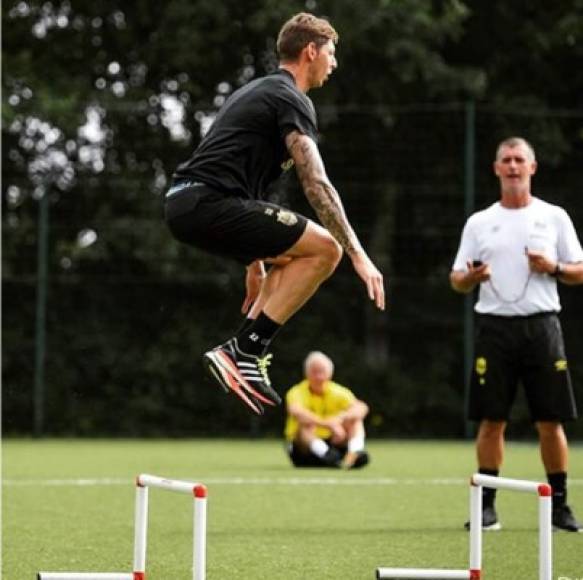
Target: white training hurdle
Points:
(143, 483)
(474, 570)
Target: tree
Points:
(101, 100)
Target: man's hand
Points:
(372, 278)
(253, 282)
(465, 282)
(478, 274)
(538, 262)
(337, 430)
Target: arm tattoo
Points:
(320, 192)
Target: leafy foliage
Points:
(101, 100)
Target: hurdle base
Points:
(427, 573)
(90, 576)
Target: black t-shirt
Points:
(244, 150)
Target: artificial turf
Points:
(68, 506)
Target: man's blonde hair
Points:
(317, 355)
(299, 31)
(516, 142)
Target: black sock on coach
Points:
(488, 494)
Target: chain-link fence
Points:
(129, 311)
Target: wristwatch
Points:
(557, 271)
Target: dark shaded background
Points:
(89, 94)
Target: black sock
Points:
(558, 481)
(488, 494)
(255, 339)
(245, 325)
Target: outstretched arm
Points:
(327, 204)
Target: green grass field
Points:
(266, 519)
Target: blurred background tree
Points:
(100, 102)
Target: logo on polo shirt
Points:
(561, 365)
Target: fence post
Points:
(469, 201)
(41, 308)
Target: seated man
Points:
(324, 426)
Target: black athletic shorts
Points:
(521, 349)
(301, 457)
(243, 229)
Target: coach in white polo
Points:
(517, 250)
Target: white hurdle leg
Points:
(199, 548)
(475, 529)
(140, 531)
(545, 532)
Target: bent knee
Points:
(330, 252)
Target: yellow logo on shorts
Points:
(561, 365)
(287, 218)
(287, 165)
(481, 365)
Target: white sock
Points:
(319, 447)
(356, 443)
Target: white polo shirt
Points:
(499, 236)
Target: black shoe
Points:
(332, 458)
(563, 519)
(355, 459)
(244, 374)
(490, 521)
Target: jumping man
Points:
(216, 203)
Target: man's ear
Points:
(311, 51)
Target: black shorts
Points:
(300, 457)
(522, 349)
(243, 229)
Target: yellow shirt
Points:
(333, 401)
